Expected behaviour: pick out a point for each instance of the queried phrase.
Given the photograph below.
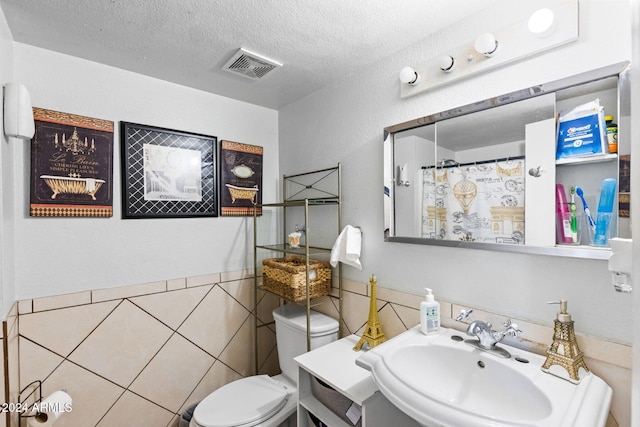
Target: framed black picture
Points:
(240, 179)
(167, 173)
(71, 165)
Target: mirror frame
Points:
(624, 110)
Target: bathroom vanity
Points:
(332, 389)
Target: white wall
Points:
(344, 123)
(635, 204)
(7, 152)
(62, 255)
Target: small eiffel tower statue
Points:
(564, 350)
(373, 334)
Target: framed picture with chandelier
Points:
(71, 166)
(167, 173)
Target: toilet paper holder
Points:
(43, 412)
(25, 408)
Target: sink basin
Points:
(441, 381)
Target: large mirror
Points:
(488, 175)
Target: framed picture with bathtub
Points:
(167, 173)
(71, 166)
(240, 179)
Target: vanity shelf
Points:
(586, 159)
(335, 366)
(305, 196)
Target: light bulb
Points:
(542, 22)
(486, 44)
(409, 76)
(447, 63)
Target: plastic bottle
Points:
(563, 213)
(605, 212)
(429, 314)
(612, 134)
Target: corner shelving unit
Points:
(302, 193)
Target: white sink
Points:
(440, 381)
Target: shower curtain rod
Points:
(456, 164)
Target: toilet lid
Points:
(245, 402)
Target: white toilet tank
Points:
(291, 334)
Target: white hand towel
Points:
(347, 247)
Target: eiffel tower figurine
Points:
(373, 334)
(564, 351)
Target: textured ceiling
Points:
(188, 41)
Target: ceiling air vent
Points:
(250, 65)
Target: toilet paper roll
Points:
(50, 409)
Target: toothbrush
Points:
(587, 212)
(574, 220)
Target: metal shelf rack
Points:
(303, 191)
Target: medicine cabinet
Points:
(484, 175)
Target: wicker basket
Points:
(287, 277)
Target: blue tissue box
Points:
(583, 136)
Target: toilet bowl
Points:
(261, 400)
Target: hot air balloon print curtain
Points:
(482, 202)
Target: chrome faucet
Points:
(487, 337)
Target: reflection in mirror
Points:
(412, 149)
(485, 175)
(476, 191)
(469, 174)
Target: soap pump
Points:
(429, 314)
(564, 358)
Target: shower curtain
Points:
(481, 202)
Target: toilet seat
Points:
(242, 403)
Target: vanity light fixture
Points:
(527, 34)
(447, 63)
(542, 22)
(409, 76)
(486, 44)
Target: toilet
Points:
(261, 400)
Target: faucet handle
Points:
(464, 315)
(512, 328)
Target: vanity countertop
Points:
(335, 364)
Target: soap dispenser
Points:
(429, 314)
(564, 358)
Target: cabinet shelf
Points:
(325, 415)
(587, 159)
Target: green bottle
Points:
(612, 134)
